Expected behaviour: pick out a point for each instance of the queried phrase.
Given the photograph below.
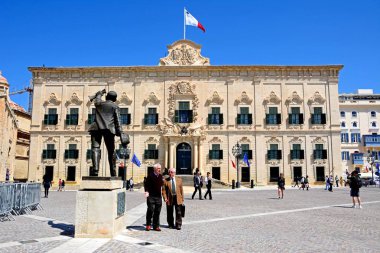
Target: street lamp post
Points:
(236, 151)
(370, 160)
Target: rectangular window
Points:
(317, 110)
(296, 146)
(355, 138)
(215, 146)
(74, 111)
(72, 146)
(52, 111)
(244, 110)
(184, 105)
(216, 172)
(215, 110)
(272, 110)
(273, 146)
(152, 110)
(344, 137)
(345, 155)
(295, 110)
(50, 146)
(125, 116)
(151, 146)
(320, 171)
(151, 118)
(318, 146)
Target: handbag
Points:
(183, 209)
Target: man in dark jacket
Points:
(153, 187)
(106, 124)
(197, 185)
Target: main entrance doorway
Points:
(183, 158)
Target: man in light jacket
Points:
(172, 193)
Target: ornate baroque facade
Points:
(186, 113)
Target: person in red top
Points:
(153, 186)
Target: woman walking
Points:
(281, 186)
(208, 185)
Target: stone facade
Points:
(8, 133)
(203, 111)
(359, 119)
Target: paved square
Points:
(239, 221)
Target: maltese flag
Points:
(190, 20)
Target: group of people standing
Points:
(169, 189)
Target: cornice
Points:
(189, 68)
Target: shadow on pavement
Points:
(67, 230)
(344, 206)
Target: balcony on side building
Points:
(357, 158)
(371, 140)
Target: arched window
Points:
(373, 114)
(354, 114)
(343, 114)
(354, 124)
(343, 124)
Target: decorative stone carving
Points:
(272, 127)
(272, 99)
(294, 99)
(273, 162)
(151, 140)
(273, 140)
(182, 90)
(320, 161)
(214, 99)
(152, 99)
(318, 140)
(49, 161)
(53, 100)
(51, 139)
(184, 53)
(243, 99)
(215, 140)
(215, 162)
(124, 99)
(245, 140)
(168, 127)
(71, 161)
(74, 100)
(296, 140)
(317, 99)
(73, 140)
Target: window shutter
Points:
(323, 116)
(301, 118)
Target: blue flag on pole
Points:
(245, 159)
(136, 161)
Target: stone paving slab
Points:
(241, 221)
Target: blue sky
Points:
(130, 33)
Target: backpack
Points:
(359, 182)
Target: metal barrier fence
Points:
(18, 198)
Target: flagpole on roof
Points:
(184, 23)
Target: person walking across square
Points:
(281, 186)
(153, 193)
(172, 193)
(208, 182)
(197, 185)
(355, 185)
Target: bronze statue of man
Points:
(106, 124)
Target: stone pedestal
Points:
(100, 208)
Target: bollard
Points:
(252, 183)
(233, 183)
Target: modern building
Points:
(186, 113)
(14, 137)
(359, 121)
